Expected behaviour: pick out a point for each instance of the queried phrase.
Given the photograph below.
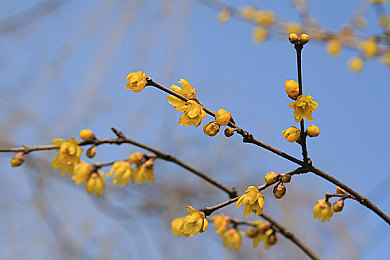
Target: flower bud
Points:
(136, 158)
(271, 177)
(279, 190)
(304, 38)
(340, 190)
(272, 239)
(338, 205)
(293, 38)
(91, 152)
(291, 134)
(211, 128)
(286, 178)
(313, 131)
(229, 132)
(17, 160)
(292, 89)
(356, 64)
(87, 135)
(252, 232)
(223, 117)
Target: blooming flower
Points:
(252, 200)
(194, 222)
(68, 156)
(220, 223)
(223, 117)
(259, 34)
(231, 239)
(136, 81)
(292, 89)
(144, 173)
(187, 91)
(291, 134)
(192, 115)
(304, 106)
(122, 173)
(356, 64)
(333, 47)
(175, 226)
(83, 171)
(323, 210)
(313, 131)
(95, 184)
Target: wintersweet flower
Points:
(356, 64)
(136, 81)
(231, 239)
(211, 128)
(220, 223)
(193, 114)
(122, 173)
(304, 106)
(271, 239)
(187, 91)
(224, 16)
(292, 89)
(313, 131)
(68, 156)
(87, 135)
(248, 12)
(194, 222)
(259, 232)
(175, 226)
(252, 200)
(83, 171)
(291, 134)
(144, 173)
(223, 117)
(369, 48)
(334, 47)
(96, 184)
(323, 210)
(136, 158)
(259, 34)
(17, 160)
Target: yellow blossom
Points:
(293, 28)
(323, 210)
(187, 91)
(87, 135)
(193, 114)
(304, 106)
(211, 128)
(137, 81)
(356, 64)
(252, 200)
(248, 12)
(386, 59)
(369, 48)
(95, 184)
(175, 226)
(259, 34)
(17, 160)
(223, 117)
(143, 173)
(220, 223)
(122, 173)
(313, 131)
(68, 156)
(291, 134)
(83, 171)
(224, 16)
(292, 89)
(194, 222)
(259, 233)
(293, 38)
(265, 18)
(333, 47)
(231, 239)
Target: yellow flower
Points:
(224, 16)
(136, 158)
(87, 135)
(175, 226)
(193, 114)
(122, 173)
(292, 89)
(291, 134)
(143, 173)
(211, 128)
(258, 233)
(293, 28)
(187, 91)
(304, 106)
(83, 171)
(369, 47)
(265, 18)
(95, 184)
(313, 131)
(323, 210)
(304, 38)
(17, 160)
(252, 200)
(248, 12)
(231, 239)
(194, 222)
(137, 81)
(223, 117)
(259, 34)
(356, 64)
(386, 59)
(220, 223)
(333, 47)
(68, 156)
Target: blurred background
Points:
(63, 68)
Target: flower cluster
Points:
(252, 200)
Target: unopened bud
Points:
(304, 38)
(271, 177)
(279, 190)
(17, 160)
(223, 117)
(338, 205)
(293, 38)
(313, 131)
(211, 128)
(87, 135)
(91, 152)
(252, 232)
(292, 134)
(229, 132)
(136, 158)
(292, 89)
(286, 178)
(272, 239)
